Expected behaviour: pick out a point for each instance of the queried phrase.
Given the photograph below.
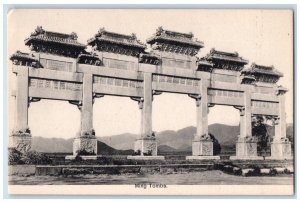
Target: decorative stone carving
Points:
(84, 146)
(107, 41)
(145, 147)
(54, 43)
(155, 92)
(21, 140)
(241, 109)
(246, 147)
(33, 99)
(86, 134)
(265, 74)
(281, 90)
(225, 60)
(77, 103)
(140, 101)
(175, 42)
(97, 95)
(24, 59)
(197, 97)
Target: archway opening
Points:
(53, 126)
(174, 121)
(116, 121)
(224, 125)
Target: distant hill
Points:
(168, 140)
(124, 141)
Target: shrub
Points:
(34, 157)
(84, 153)
(14, 156)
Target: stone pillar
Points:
(281, 146)
(202, 145)
(145, 146)
(246, 146)
(85, 142)
(21, 136)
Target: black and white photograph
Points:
(150, 101)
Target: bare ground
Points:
(212, 177)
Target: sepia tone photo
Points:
(150, 101)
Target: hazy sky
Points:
(261, 36)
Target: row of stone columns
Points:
(85, 143)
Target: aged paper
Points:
(122, 82)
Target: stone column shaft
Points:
(147, 106)
(280, 128)
(245, 117)
(202, 113)
(21, 137)
(86, 143)
(21, 110)
(87, 103)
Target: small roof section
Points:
(263, 70)
(41, 35)
(177, 37)
(18, 55)
(225, 56)
(116, 38)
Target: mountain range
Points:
(168, 141)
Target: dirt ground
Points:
(213, 177)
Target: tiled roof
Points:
(225, 56)
(178, 37)
(264, 70)
(204, 62)
(23, 56)
(116, 38)
(40, 35)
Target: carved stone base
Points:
(246, 148)
(202, 148)
(21, 142)
(281, 149)
(85, 146)
(145, 146)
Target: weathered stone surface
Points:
(85, 146)
(281, 150)
(246, 148)
(146, 147)
(21, 142)
(202, 148)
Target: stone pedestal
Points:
(84, 146)
(21, 142)
(281, 149)
(202, 148)
(146, 147)
(246, 148)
